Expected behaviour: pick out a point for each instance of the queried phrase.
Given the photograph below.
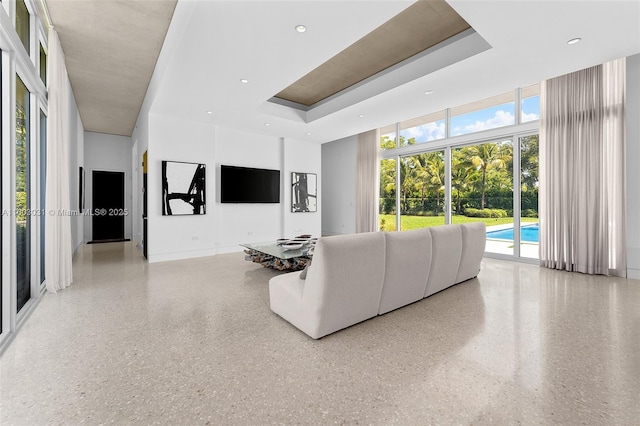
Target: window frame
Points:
(15, 62)
(513, 132)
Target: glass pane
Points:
(423, 129)
(387, 203)
(530, 104)
(388, 137)
(43, 187)
(23, 24)
(529, 241)
(23, 219)
(482, 190)
(422, 190)
(497, 111)
(43, 65)
(2, 188)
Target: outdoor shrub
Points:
(529, 213)
(491, 213)
(384, 226)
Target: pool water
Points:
(528, 233)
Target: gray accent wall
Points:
(339, 173)
(633, 172)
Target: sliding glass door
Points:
(482, 183)
(472, 163)
(529, 242)
(422, 190)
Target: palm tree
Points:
(461, 177)
(435, 166)
(494, 155)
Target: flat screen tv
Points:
(249, 185)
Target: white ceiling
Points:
(111, 48)
(211, 45)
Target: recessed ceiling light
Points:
(209, 112)
(574, 40)
(301, 28)
(308, 133)
(244, 80)
(429, 92)
(267, 124)
(361, 115)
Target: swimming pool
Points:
(528, 233)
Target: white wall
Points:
(110, 153)
(76, 160)
(633, 172)
(301, 157)
(339, 170)
(224, 226)
(178, 237)
(140, 137)
(238, 223)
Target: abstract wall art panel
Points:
(304, 192)
(183, 188)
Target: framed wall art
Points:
(183, 188)
(304, 192)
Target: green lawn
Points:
(416, 222)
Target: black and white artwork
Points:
(183, 188)
(304, 192)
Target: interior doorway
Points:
(145, 236)
(108, 211)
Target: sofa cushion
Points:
(474, 237)
(285, 296)
(345, 283)
(342, 288)
(445, 257)
(408, 257)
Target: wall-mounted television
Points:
(249, 185)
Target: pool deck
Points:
(527, 249)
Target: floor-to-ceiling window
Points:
(23, 200)
(529, 241)
(23, 103)
(43, 188)
(2, 189)
(388, 169)
(422, 190)
(482, 183)
(465, 164)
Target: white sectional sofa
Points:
(355, 277)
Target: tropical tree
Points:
(387, 185)
(435, 166)
(462, 176)
(529, 160)
(488, 156)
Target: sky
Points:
(490, 118)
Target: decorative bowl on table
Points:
(281, 241)
(291, 246)
(305, 236)
(299, 240)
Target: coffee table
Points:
(271, 255)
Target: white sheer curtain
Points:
(582, 171)
(367, 182)
(58, 246)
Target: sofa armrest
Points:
(474, 239)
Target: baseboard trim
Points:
(167, 257)
(633, 274)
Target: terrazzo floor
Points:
(193, 342)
